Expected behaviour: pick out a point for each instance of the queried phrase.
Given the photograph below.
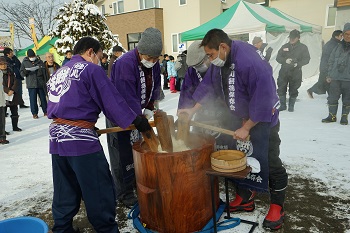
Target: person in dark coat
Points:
(104, 62)
(292, 56)
(14, 64)
(34, 71)
(181, 69)
(136, 75)
(117, 52)
(164, 71)
(322, 86)
(338, 76)
(265, 50)
(9, 85)
(67, 57)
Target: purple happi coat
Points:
(80, 90)
(128, 77)
(250, 94)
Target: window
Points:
(176, 43)
(146, 4)
(133, 40)
(183, 2)
(118, 7)
(330, 16)
(103, 9)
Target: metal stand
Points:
(234, 175)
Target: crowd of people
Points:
(227, 82)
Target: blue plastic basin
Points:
(23, 225)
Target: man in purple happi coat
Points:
(136, 75)
(243, 78)
(77, 93)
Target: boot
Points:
(14, 120)
(291, 104)
(332, 117)
(274, 218)
(244, 201)
(344, 115)
(283, 103)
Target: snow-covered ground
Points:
(309, 148)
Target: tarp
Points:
(271, 24)
(46, 44)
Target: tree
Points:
(78, 19)
(43, 12)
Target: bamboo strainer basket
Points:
(228, 161)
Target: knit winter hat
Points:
(346, 27)
(30, 53)
(150, 43)
(256, 40)
(195, 54)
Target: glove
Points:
(295, 65)
(141, 124)
(254, 164)
(289, 60)
(148, 113)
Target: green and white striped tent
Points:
(244, 17)
(271, 24)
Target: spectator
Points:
(181, 69)
(50, 65)
(104, 62)
(10, 88)
(14, 64)
(34, 71)
(172, 74)
(292, 56)
(339, 79)
(67, 57)
(262, 47)
(2, 108)
(245, 81)
(322, 86)
(136, 75)
(164, 71)
(79, 166)
(117, 52)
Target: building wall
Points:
(311, 11)
(134, 22)
(343, 17)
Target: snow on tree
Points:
(78, 19)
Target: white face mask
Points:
(99, 61)
(147, 64)
(201, 68)
(32, 58)
(217, 61)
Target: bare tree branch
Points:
(43, 12)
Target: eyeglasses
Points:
(346, 34)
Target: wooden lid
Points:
(228, 161)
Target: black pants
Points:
(122, 162)
(322, 86)
(2, 123)
(292, 82)
(84, 177)
(13, 109)
(339, 88)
